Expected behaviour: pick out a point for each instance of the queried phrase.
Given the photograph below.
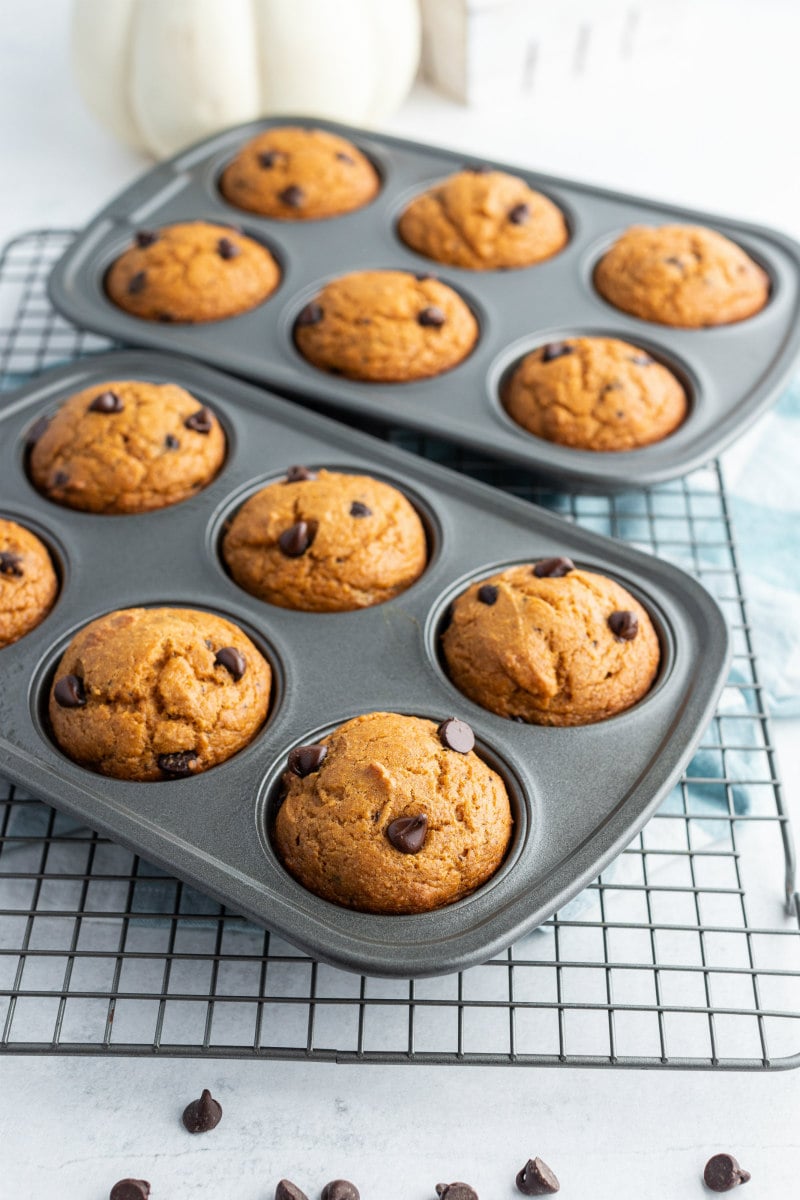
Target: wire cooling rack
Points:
(685, 953)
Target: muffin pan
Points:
(732, 372)
(579, 794)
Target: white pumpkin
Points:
(162, 73)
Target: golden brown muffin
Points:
(28, 582)
(681, 275)
(550, 644)
(484, 220)
(127, 446)
(386, 327)
(192, 272)
(386, 817)
(158, 693)
(326, 542)
(299, 174)
(595, 394)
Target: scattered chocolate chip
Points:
(312, 314)
(555, 350)
(536, 1179)
(137, 283)
(456, 735)
(232, 660)
(431, 317)
(36, 430)
(357, 509)
(295, 540)
(200, 421)
(641, 359)
(60, 479)
(130, 1189)
(519, 214)
(145, 238)
(614, 386)
(345, 158)
(456, 1191)
(673, 261)
(69, 692)
(340, 1189)
(179, 764)
(289, 1191)
(171, 442)
(293, 196)
(407, 834)
(202, 1115)
(624, 625)
(11, 564)
(488, 593)
(227, 249)
(107, 402)
(304, 760)
(723, 1173)
(300, 475)
(268, 158)
(553, 568)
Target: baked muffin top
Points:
(28, 582)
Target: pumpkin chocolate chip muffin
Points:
(392, 814)
(298, 174)
(681, 275)
(595, 394)
(127, 446)
(192, 272)
(551, 644)
(158, 693)
(321, 541)
(386, 327)
(28, 582)
(484, 220)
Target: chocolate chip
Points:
(130, 1189)
(456, 735)
(304, 760)
(36, 430)
(674, 262)
(536, 1179)
(345, 158)
(293, 196)
(107, 402)
(312, 314)
(171, 442)
(60, 479)
(641, 360)
(488, 593)
(289, 1191)
(11, 564)
(624, 625)
(300, 475)
(456, 1191)
(165, 318)
(179, 764)
(227, 249)
(519, 214)
(723, 1173)
(555, 350)
(407, 834)
(200, 421)
(295, 540)
(431, 317)
(357, 509)
(202, 1115)
(145, 238)
(69, 692)
(553, 568)
(268, 158)
(232, 660)
(340, 1189)
(137, 282)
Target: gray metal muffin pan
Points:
(732, 372)
(579, 794)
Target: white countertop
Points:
(707, 127)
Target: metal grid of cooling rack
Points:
(685, 953)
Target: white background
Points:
(708, 117)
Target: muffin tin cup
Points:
(580, 794)
(733, 372)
